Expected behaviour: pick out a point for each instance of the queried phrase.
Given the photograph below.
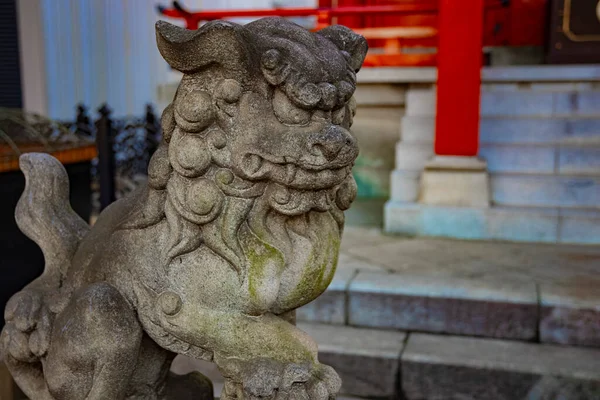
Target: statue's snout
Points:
(333, 143)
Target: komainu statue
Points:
(238, 225)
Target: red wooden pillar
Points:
(459, 77)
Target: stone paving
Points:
(569, 265)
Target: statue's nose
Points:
(330, 141)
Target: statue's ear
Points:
(216, 42)
(353, 44)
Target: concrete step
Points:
(453, 305)
(547, 224)
(365, 359)
(447, 367)
(536, 190)
(516, 103)
(514, 130)
(379, 364)
(562, 161)
(542, 159)
(455, 288)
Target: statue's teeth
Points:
(290, 172)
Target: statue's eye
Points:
(337, 116)
(286, 112)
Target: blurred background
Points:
(470, 265)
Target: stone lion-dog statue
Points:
(239, 224)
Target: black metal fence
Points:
(125, 145)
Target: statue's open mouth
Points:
(294, 175)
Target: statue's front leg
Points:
(259, 356)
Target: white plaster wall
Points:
(96, 51)
(32, 52)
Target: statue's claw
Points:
(264, 379)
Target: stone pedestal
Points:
(455, 181)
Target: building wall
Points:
(96, 51)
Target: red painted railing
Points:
(393, 25)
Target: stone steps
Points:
(561, 147)
(450, 367)
(537, 190)
(533, 162)
(382, 364)
(511, 101)
(514, 130)
(470, 303)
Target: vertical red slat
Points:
(459, 77)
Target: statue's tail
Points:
(45, 215)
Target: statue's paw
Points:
(323, 384)
(16, 344)
(23, 309)
(267, 379)
(26, 335)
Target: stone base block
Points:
(455, 181)
(446, 367)
(499, 309)
(367, 360)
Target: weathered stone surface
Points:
(570, 314)
(440, 304)
(545, 190)
(519, 159)
(366, 359)
(330, 307)
(514, 223)
(239, 225)
(446, 367)
(579, 226)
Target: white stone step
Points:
(515, 103)
(542, 159)
(514, 130)
(563, 131)
(545, 190)
(527, 224)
